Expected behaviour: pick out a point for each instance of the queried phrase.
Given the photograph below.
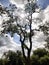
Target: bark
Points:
(26, 58)
(28, 61)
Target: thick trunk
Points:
(28, 61)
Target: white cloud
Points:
(46, 13)
(7, 43)
(38, 40)
(16, 2)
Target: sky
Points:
(42, 3)
(8, 43)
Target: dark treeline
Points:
(39, 57)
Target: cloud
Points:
(46, 13)
(38, 40)
(16, 2)
(7, 43)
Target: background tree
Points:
(13, 58)
(44, 60)
(40, 57)
(40, 52)
(45, 29)
(1, 62)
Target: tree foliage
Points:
(13, 58)
(20, 28)
(40, 52)
(14, 24)
(16, 58)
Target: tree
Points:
(21, 29)
(13, 58)
(40, 52)
(1, 62)
(40, 57)
(44, 60)
(34, 60)
(45, 29)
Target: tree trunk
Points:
(28, 61)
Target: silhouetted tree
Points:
(21, 28)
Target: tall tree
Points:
(21, 28)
